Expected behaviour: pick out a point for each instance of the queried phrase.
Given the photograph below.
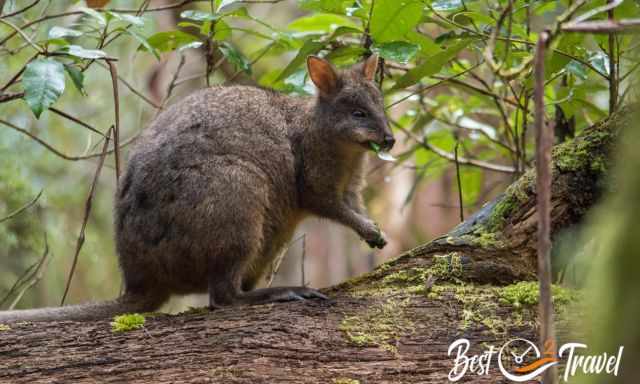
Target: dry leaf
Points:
(96, 3)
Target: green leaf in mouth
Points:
(382, 155)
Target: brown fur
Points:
(217, 184)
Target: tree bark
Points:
(393, 325)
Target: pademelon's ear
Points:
(369, 67)
(323, 75)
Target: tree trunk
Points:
(392, 325)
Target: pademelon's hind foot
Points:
(280, 294)
(271, 295)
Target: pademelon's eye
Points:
(359, 113)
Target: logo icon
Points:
(526, 359)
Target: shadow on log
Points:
(392, 325)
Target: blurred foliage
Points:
(613, 240)
(55, 52)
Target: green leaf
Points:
(235, 57)
(320, 22)
(427, 45)
(431, 66)
(340, 31)
(226, 3)
(239, 12)
(358, 10)
(60, 32)
(170, 40)
(143, 42)
(555, 63)
(135, 20)
(222, 30)
(198, 15)
(332, 6)
(60, 42)
(43, 82)
(77, 77)
(349, 54)
(446, 5)
(479, 18)
(78, 51)
(600, 61)
(577, 69)
(391, 20)
(94, 15)
(310, 47)
(195, 44)
(399, 51)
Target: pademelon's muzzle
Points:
(388, 142)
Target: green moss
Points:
(479, 307)
(127, 322)
(526, 293)
(380, 325)
(345, 380)
(584, 153)
(516, 194)
(487, 239)
(4, 327)
(411, 276)
(444, 267)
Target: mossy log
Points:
(393, 325)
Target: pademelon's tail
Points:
(128, 303)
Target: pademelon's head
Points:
(350, 104)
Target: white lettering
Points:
(461, 363)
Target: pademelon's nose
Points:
(389, 141)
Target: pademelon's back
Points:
(217, 160)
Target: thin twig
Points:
(60, 154)
(172, 84)
(491, 44)
(479, 90)
(608, 7)
(431, 86)
(21, 209)
(20, 281)
(75, 120)
(40, 141)
(18, 74)
(87, 210)
(569, 12)
(626, 75)
(476, 130)
(19, 11)
(366, 36)
(451, 157)
(604, 26)
(613, 64)
(116, 131)
(36, 276)
(16, 29)
(544, 142)
(189, 78)
(5, 97)
(460, 202)
(132, 89)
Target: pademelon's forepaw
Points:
(378, 241)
